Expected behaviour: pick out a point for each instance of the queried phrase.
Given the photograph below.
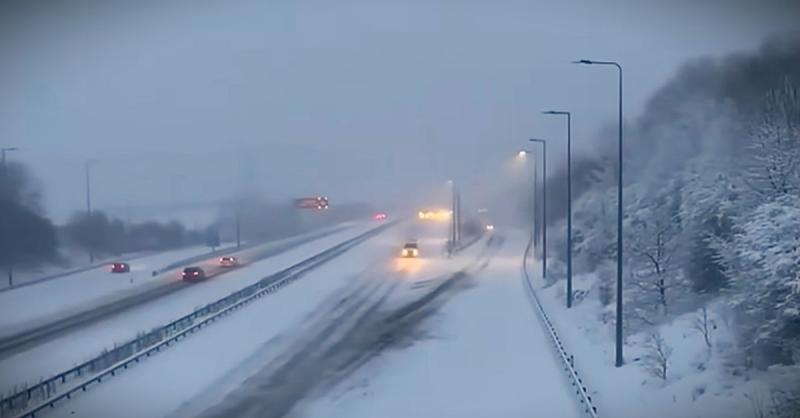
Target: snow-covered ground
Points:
(699, 384)
(365, 335)
(79, 263)
(80, 345)
(27, 306)
(198, 363)
(485, 355)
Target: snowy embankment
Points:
(80, 345)
(25, 307)
(701, 381)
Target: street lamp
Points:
(3, 151)
(619, 360)
(544, 204)
(523, 154)
(4, 188)
(569, 200)
(87, 166)
(453, 227)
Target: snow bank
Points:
(700, 381)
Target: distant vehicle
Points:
(489, 227)
(379, 216)
(228, 261)
(318, 202)
(434, 214)
(410, 249)
(193, 273)
(120, 268)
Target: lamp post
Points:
(523, 154)
(619, 359)
(543, 229)
(4, 188)
(87, 167)
(452, 215)
(3, 166)
(569, 200)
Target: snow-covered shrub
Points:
(656, 359)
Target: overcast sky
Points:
(359, 100)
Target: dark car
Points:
(193, 273)
(120, 268)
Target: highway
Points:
(361, 322)
(53, 352)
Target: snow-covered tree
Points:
(595, 231)
(775, 133)
(763, 264)
(652, 231)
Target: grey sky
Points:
(359, 100)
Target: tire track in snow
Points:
(340, 346)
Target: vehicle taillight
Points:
(195, 273)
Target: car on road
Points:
(379, 216)
(193, 273)
(120, 267)
(228, 261)
(489, 227)
(410, 249)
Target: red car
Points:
(120, 268)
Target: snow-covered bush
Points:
(657, 357)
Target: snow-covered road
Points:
(29, 306)
(366, 335)
(483, 355)
(63, 352)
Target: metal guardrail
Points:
(121, 357)
(567, 360)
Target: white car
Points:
(411, 249)
(228, 261)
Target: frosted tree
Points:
(763, 264)
(657, 357)
(775, 134)
(652, 230)
(595, 230)
(762, 256)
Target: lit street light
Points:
(543, 229)
(569, 200)
(619, 360)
